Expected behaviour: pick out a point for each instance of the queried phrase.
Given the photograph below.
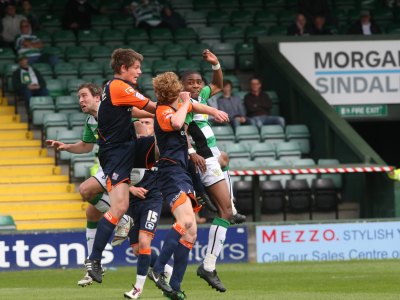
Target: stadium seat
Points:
(49, 22)
(145, 82)
(174, 52)
(64, 38)
(151, 52)
(204, 5)
(146, 67)
(278, 164)
(305, 163)
(55, 87)
(53, 50)
(161, 66)
(226, 53)
(67, 104)
(275, 4)
(77, 54)
(265, 17)
(112, 37)
(150, 94)
(286, 17)
(235, 81)
(100, 53)
(253, 5)
(186, 65)
(185, 35)
(195, 50)
(224, 133)
(40, 106)
(299, 196)
(247, 132)
(88, 38)
(90, 68)
(53, 123)
(76, 121)
(288, 151)
(66, 70)
(80, 165)
(44, 69)
(137, 37)
(273, 197)
(263, 151)
(326, 196)
(243, 192)
(67, 137)
(161, 36)
(273, 134)
(44, 36)
(121, 22)
(336, 178)
(6, 54)
(224, 145)
(100, 22)
(242, 18)
(245, 56)
(196, 19)
(299, 134)
(238, 151)
(393, 28)
(277, 30)
(209, 35)
(228, 5)
(232, 34)
(218, 19)
(252, 32)
(73, 84)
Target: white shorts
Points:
(101, 178)
(213, 173)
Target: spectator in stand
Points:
(365, 25)
(299, 27)
(233, 106)
(28, 82)
(29, 14)
(312, 8)
(28, 44)
(258, 106)
(147, 13)
(319, 27)
(11, 24)
(171, 19)
(78, 15)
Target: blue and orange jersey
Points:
(115, 111)
(172, 144)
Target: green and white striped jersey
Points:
(90, 134)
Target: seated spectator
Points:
(233, 106)
(28, 44)
(258, 106)
(28, 12)
(171, 19)
(299, 27)
(78, 15)
(365, 25)
(146, 13)
(27, 81)
(319, 27)
(11, 24)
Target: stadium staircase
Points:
(32, 189)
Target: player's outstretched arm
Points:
(77, 148)
(178, 118)
(219, 115)
(138, 113)
(217, 81)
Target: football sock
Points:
(216, 239)
(171, 242)
(140, 280)
(91, 228)
(230, 188)
(181, 256)
(105, 229)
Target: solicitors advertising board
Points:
(328, 242)
(68, 249)
(360, 77)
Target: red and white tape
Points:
(295, 171)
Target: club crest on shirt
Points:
(115, 176)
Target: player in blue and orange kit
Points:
(117, 141)
(173, 178)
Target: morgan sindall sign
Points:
(346, 73)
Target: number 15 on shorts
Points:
(151, 221)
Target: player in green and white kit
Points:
(206, 157)
(92, 190)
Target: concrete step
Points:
(34, 179)
(48, 215)
(31, 188)
(12, 152)
(51, 224)
(7, 110)
(30, 170)
(9, 119)
(20, 143)
(27, 161)
(51, 197)
(13, 126)
(16, 135)
(10, 208)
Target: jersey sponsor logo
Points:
(176, 198)
(140, 96)
(129, 90)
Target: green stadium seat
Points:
(53, 50)
(121, 22)
(182, 4)
(196, 19)
(218, 19)
(195, 50)
(100, 53)
(224, 133)
(186, 65)
(40, 106)
(253, 5)
(7, 72)
(113, 37)
(73, 85)
(112, 6)
(305, 163)
(67, 137)
(44, 69)
(58, 6)
(275, 4)
(228, 5)
(232, 34)
(242, 18)
(90, 68)
(50, 23)
(340, 15)
(336, 178)
(136, 36)
(288, 151)
(279, 164)
(89, 38)
(286, 17)
(100, 22)
(44, 36)
(7, 54)
(53, 123)
(204, 5)
(265, 17)
(234, 80)
(77, 54)
(238, 151)
(263, 151)
(393, 28)
(76, 121)
(64, 38)
(151, 52)
(273, 134)
(55, 87)
(277, 30)
(65, 70)
(174, 52)
(80, 165)
(161, 36)
(245, 56)
(252, 32)
(145, 82)
(299, 134)
(185, 35)
(7, 223)
(226, 53)
(247, 133)
(161, 66)
(209, 35)
(146, 67)
(150, 94)
(67, 104)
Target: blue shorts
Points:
(175, 184)
(117, 161)
(144, 152)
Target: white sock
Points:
(90, 234)
(230, 188)
(168, 272)
(216, 239)
(140, 280)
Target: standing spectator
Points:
(258, 106)
(299, 27)
(319, 27)
(171, 19)
(233, 106)
(29, 14)
(78, 15)
(365, 25)
(28, 82)
(11, 23)
(28, 44)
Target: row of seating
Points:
(296, 196)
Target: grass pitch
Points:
(307, 280)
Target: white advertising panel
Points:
(348, 73)
(328, 242)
